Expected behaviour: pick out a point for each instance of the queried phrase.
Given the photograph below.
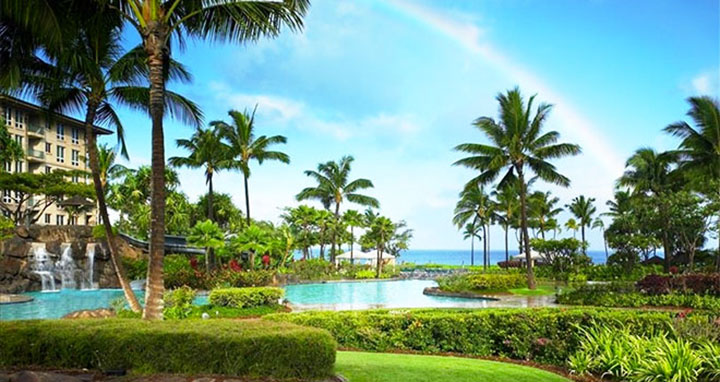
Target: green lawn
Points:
(542, 290)
(385, 367)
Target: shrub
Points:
(178, 302)
(625, 295)
(246, 297)
(232, 278)
(654, 284)
(364, 274)
(509, 264)
(135, 268)
(313, 269)
(482, 282)
(199, 347)
(541, 335)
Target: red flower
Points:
(266, 259)
(235, 266)
(194, 263)
(674, 270)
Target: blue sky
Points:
(397, 83)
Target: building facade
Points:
(49, 143)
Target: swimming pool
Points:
(328, 296)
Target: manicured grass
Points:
(542, 290)
(384, 367)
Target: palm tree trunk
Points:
(605, 245)
(102, 206)
(488, 245)
(210, 259)
(352, 244)
(472, 249)
(484, 246)
(524, 226)
(334, 233)
(582, 231)
(155, 46)
(247, 199)
(507, 253)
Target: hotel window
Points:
(8, 116)
(19, 119)
(6, 197)
(60, 130)
(48, 148)
(60, 220)
(75, 179)
(88, 219)
(19, 166)
(75, 134)
(8, 166)
(48, 169)
(75, 158)
(19, 140)
(60, 154)
(71, 220)
(47, 218)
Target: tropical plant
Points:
(334, 187)
(571, 224)
(302, 221)
(206, 234)
(378, 235)
(507, 210)
(600, 224)
(542, 211)
(156, 21)
(475, 207)
(471, 232)
(224, 212)
(353, 219)
(583, 209)
(699, 150)
(252, 240)
(244, 146)
(10, 150)
(517, 147)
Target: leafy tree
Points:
(475, 207)
(302, 221)
(353, 219)
(690, 220)
(565, 256)
(334, 187)
(206, 234)
(517, 147)
(583, 209)
(156, 21)
(244, 146)
(10, 150)
(225, 213)
(699, 150)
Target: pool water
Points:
(329, 296)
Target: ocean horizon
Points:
(463, 257)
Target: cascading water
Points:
(65, 267)
(90, 266)
(42, 264)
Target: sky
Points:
(397, 84)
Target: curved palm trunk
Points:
(524, 226)
(210, 257)
(102, 207)
(247, 199)
(155, 46)
(605, 245)
(334, 233)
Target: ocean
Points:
(462, 257)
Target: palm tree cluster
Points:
(64, 53)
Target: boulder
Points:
(15, 247)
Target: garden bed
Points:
(435, 291)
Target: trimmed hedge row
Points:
(245, 297)
(247, 348)
(479, 282)
(543, 335)
(626, 295)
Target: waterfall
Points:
(90, 266)
(41, 264)
(66, 267)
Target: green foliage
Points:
(564, 256)
(540, 335)
(482, 282)
(206, 234)
(10, 150)
(230, 278)
(626, 295)
(135, 269)
(246, 297)
(225, 213)
(178, 302)
(6, 227)
(174, 346)
(98, 232)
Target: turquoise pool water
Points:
(330, 296)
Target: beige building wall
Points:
(49, 143)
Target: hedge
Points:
(626, 295)
(246, 348)
(542, 335)
(245, 297)
(482, 282)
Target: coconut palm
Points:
(245, 147)
(599, 223)
(650, 174)
(380, 233)
(107, 165)
(334, 187)
(156, 22)
(699, 151)
(583, 209)
(206, 234)
(471, 232)
(507, 210)
(475, 207)
(353, 219)
(206, 151)
(543, 211)
(572, 225)
(517, 147)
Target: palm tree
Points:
(475, 207)
(206, 234)
(699, 151)
(583, 209)
(245, 147)
(471, 232)
(107, 165)
(156, 21)
(381, 231)
(571, 224)
(334, 187)
(543, 210)
(206, 150)
(599, 223)
(353, 219)
(302, 220)
(517, 147)
(507, 207)
(650, 174)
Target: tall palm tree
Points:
(334, 187)
(475, 207)
(353, 219)
(471, 232)
(245, 146)
(156, 22)
(107, 165)
(650, 174)
(381, 231)
(572, 225)
(543, 211)
(507, 208)
(517, 147)
(699, 151)
(599, 223)
(583, 209)
(206, 151)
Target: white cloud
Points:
(706, 83)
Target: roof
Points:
(4, 97)
(76, 200)
(364, 255)
(533, 254)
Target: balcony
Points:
(35, 155)
(35, 131)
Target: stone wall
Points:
(15, 273)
